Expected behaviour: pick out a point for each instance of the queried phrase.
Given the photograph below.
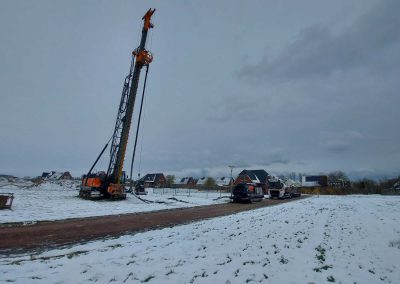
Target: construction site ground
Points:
(19, 237)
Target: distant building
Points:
(224, 181)
(315, 180)
(56, 175)
(259, 177)
(396, 186)
(45, 174)
(185, 181)
(201, 181)
(154, 180)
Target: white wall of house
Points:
(308, 183)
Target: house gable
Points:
(256, 176)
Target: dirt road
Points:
(43, 235)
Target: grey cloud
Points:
(341, 141)
(372, 41)
(337, 147)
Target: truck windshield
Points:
(275, 185)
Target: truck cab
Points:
(278, 189)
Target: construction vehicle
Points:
(277, 188)
(111, 184)
(247, 192)
(281, 190)
(6, 200)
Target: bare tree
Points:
(210, 183)
(170, 180)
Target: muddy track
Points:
(44, 235)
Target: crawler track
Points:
(43, 235)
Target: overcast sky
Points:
(306, 86)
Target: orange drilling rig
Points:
(111, 184)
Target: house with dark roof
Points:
(224, 181)
(154, 180)
(201, 181)
(53, 175)
(45, 174)
(259, 177)
(185, 182)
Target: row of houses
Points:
(259, 177)
(221, 181)
(159, 180)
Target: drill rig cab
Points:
(111, 184)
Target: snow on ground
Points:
(59, 200)
(342, 239)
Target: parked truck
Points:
(281, 190)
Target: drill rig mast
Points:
(110, 184)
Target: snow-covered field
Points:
(59, 200)
(342, 239)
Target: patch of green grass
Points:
(321, 255)
(115, 246)
(320, 249)
(16, 262)
(330, 278)
(283, 260)
(248, 262)
(395, 244)
(204, 274)
(76, 253)
(148, 278)
(325, 267)
(128, 276)
(236, 273)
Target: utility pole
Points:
(231, 167)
